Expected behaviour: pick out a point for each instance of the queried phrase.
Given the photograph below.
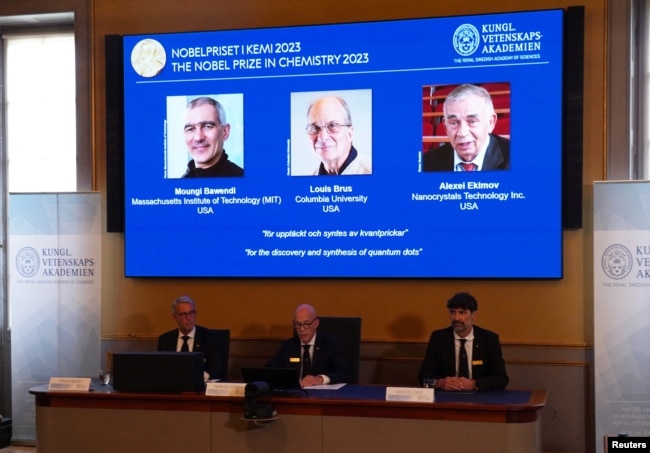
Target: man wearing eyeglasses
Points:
(191, 337)
(329, 126)
(316, 356)
(469, 120)
(205, 131)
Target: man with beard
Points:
(463, 356)
(316, 356)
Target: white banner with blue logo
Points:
(54, 265)
(622, 308)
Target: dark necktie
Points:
(463, 369)
(306, 361)
(468, 166)
(185, 347)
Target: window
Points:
(628, 74)
(641, 83)
(40, 112)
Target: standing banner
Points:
(54, 294)
(622, 308)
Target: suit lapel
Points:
(450, 352)
(493, 158)
(315, 356)
(198, 341)
(477, 349)
(296, 352)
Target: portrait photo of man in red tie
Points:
(468, 118)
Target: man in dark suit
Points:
(469, 120)
(194, 338)
(316, 356)
(484, 367)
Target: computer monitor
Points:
(158, 371)
(279, 379)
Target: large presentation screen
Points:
(423, 148)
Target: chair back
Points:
(348, 331)
(223, 337)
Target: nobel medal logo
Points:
(27, 261)
(466, 39)
(148, 58)
(617, 261)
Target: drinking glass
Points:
(428, 382)
(104, 377)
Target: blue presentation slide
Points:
(360, 150)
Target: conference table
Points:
(352, 418)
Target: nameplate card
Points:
(69, 384)
(225, 389)
(411, 394)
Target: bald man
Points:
(325, 364)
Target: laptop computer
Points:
(278, 379)
(158, 371)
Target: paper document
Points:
(325, 387)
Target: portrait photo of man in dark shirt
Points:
(197, 142)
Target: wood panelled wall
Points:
(543, 318)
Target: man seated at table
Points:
(316, 356)
(191, 337)
(464, 357)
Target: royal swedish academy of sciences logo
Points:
(617, 261)
(466, 40)
(27, 261)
